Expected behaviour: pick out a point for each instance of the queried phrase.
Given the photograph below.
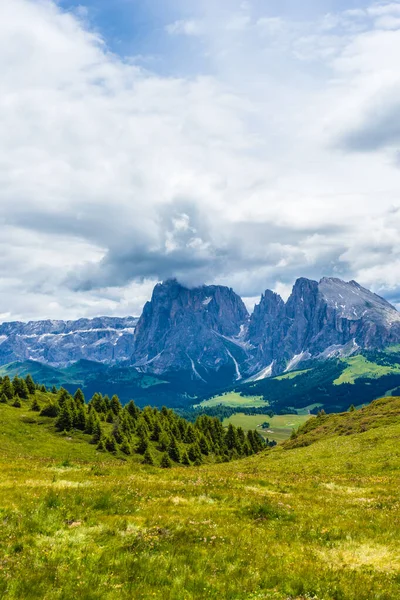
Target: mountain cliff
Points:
(196, 330)
(320, 320)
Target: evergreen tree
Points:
(164, 441)
(157, 431)
(195, 453)
(185, 459)
(35, 405)
(133, 410)
(65, 420)
(352, 408)
(54, 390)
(3, 398)
(110, 416)
(148, 458)
(115, 405)
(204, 448)
(110, 443)
(30, 384)
(79, 397)
(125, 446)
(43, 389)
(231, 437)
(51, 409)
(143, 444)
(17, 402)
(20, 387)
(101, 446)
(80, 418)
(173, 451)
(97, 432)
(7, 388)
(165, 461)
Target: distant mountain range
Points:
(203, 339)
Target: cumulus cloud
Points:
(277, 160)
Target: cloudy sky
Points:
(239, 142)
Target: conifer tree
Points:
(203, 445)
(101, 446)
(165, 461)
(3, 398)
(148, 458)
(30, 384)
(185, 459)
(80, 418)
(35, 405)
(133, 410)
(79, 397)
(115, 405)
(125, 446)
(54, 390)
(173, 451)
(65, 420)
(51, 409)
(110, 443)
(17, 402)
(20, 387)
(7, 388)
(164, 441)
(97, 432)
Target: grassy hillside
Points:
(280, 426)
(315, 521)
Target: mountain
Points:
(196, 331)
(190, 343)
(319, 320)
(61, 343)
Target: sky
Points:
(245, 143)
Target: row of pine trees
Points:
(159, 436)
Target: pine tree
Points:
(65, 420)
(79, 397)
(203, 445)
(165, 461)
(51, 409)
(115, 405)
(7, 388)
(173, 451)
(133, 410)
(30, 384)
(101, 446)
(352, 408)
(231, 437)
(164, 441)
(97, 432)
(20, 387)
(80, 419)
(125, 446)
(185, 459)
(195, 453)
(17, 402)
(110, 443)
(35, 405)
(3, 398)
(54, 390)
(143, 444)
(148, 458)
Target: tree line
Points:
(161, 437)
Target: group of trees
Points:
(18, 389)
(159, 436)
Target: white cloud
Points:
(113, 177)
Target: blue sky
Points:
(244, 143)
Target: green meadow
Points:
(280, 426)
(360, 366)
(315, 518)
(234, 399)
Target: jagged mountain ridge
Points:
(207, 333)
(60, 343)
(184, 329)
(320, 320)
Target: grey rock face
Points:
(60, 343)
(190, 329)
(320, 320)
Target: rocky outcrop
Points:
(322, 319)
(196, 330)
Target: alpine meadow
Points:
(199, 300)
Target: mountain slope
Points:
(194, 330)
(310, 522)
(325, 319)
(60, 343)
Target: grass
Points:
(292, 375)
(280, 429)
(317, 521)
(234, 399)
(359, 366)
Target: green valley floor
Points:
(317, 518)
